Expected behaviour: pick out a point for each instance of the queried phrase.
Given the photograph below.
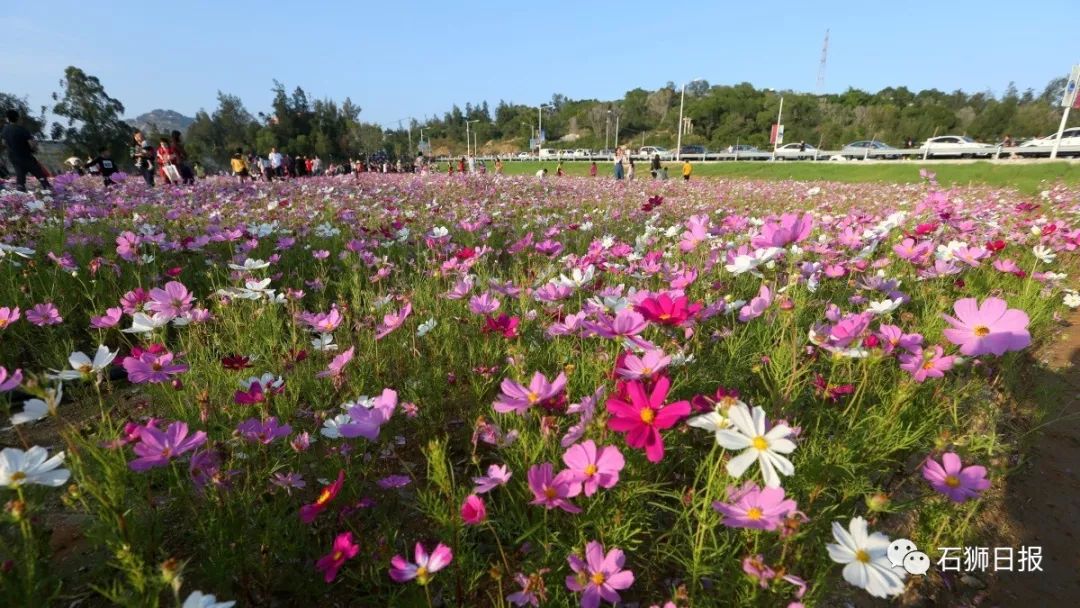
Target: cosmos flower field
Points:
(480, 391)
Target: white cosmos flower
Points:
(32, 466)
(141, 323)
(24, 252)
(425, 327)
(198, 599)
(36, 409)
(578, 278)
(713, 421)
(324, 343)
(885, 306)
(742, 264)
(1072, 300)
(330, 426)
(749, 435)
(867, 562)
(439, 231)
(1044, 253)
(250, 264)
(83, 367)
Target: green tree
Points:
(93, 118)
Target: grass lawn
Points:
(1025, 177)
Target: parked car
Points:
(524, 156)
(741, 148)
(796, 151)
(960, 146)
(867, 148)
(693, 151)
(1069, 137)
(548, 153)
(650, 151)
(582, 153)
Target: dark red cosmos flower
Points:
(995, 246)
(503, 324)
(235, 362)
(1022, 207)
(665, 310)
(465, 253)
(174, 272)
(724, 397)
(832, 392)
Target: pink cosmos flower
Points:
(644, 416)
(598, 576)
(665, 310)
(922, 364)
(473, 510)
(893, 337)
(517, 398)
(697, 230)
(111, 318)
(644, 367)
(152, 367)
(533, 590)
(344, 549)
(308, 513)
(44, 314)
(484, 304)
(424, 567)
(156, 448)
(990, 328)
(503, 324)
(552, 490)
(337, 365)
(592, 468)
(10, 381)
(757, 305)
(497, 475)
(127, 246)
(366, 421)
(752, 507)
(951, 478)
(625, 324)
(790, 229)
(173, 301)
(289, 481)
(324, 322)
(8, 316)
(133, 301)
(392, 321)
(263, 431)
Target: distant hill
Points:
(161, 121)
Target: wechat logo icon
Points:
(903, 553)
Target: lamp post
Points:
(682, 100)
(540, 127)
(607, 129)
(468, 140)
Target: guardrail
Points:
(921, 153)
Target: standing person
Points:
(20, 147)
(592, 169)
(909, 143)
(316, 166)
(239, 166)
(104, 162)
(654, 165)
(558, 169)
(461, 165)
(498, 166)
(687, 169)
(275, 162)
(164, 160)
(618, 164)
(267, 170)
(180, 159)
(143, 154)
(630, 171)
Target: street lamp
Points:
(682, 99)
(540, 127)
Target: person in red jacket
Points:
(164, 157)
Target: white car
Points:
(796, 151)
(524, 156)
(1069, 137)
(582, 153)
(648, 152)
(960, 146)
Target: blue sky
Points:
(415, 59)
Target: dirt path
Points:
(1043, 497)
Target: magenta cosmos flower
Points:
(517, 398)
(992, 327)
(753, 507)
(473, 510)
(790, 229)
(152, 367)
(954, 480)
(665, 310)
(156, 448)
(424, 567)
(598, 576)
(44, 314)
(552, 490)
(344, 549)
(926, 364)
(308, 513)
(9, 381)
(644, 416)
(592, 468)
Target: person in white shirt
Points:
(541, 173)
(275, 162)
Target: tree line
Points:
(716, 116)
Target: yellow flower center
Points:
(324, 497)
(760, 443)
(597, 578)
(17, 476)
(85, 369)
(928, 365)
(862, 556)
(664, 316)
(532, 397)
(590, 470)
(3, 323)
(646, 371)
(550, 493)
(982, 330)
(338, 555)
(647, 415)
(952, 481)
(754, 513)
(422, 575)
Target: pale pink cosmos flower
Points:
(336, 366)
(627, 322)
(643, 367)
(173, 301)
(44, 314)
(789, 229)
(392, 321)
(923, 364)
(423, 567)
(989, 328)
(753, 507)
(517, 398)
(757, 305)
(8, 316)
(951, 478)
(9, 381)
(152, 367)
(593, 467)
(599, 576)
(484, 304)
(550, 490)
(366, 421)
(497, 475)
(111, 318)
